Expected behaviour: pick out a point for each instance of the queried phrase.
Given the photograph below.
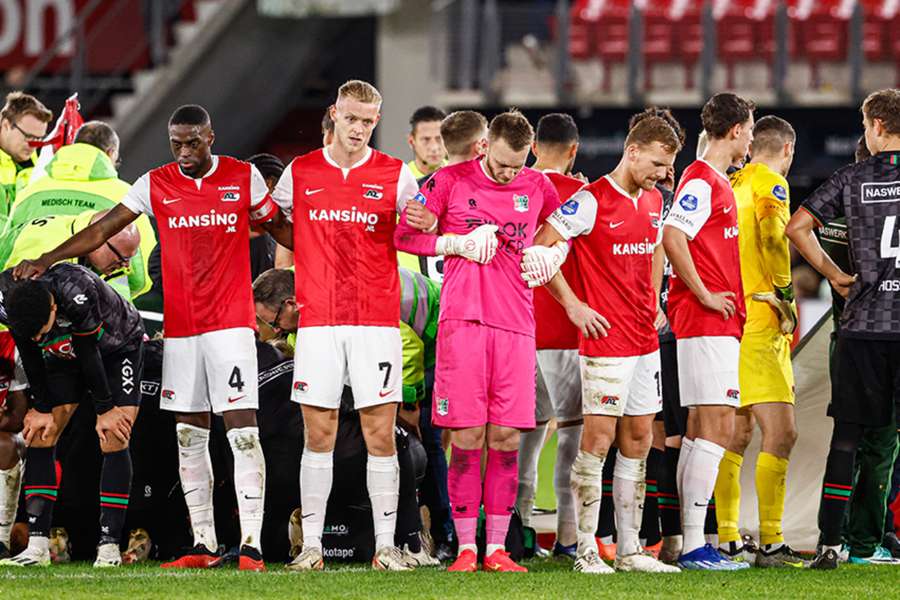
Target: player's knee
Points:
(504, 439)
(468, 439)
(381, 445)
(11, 450)
(741, 439)
(112, 444)
(237, 419)
(789, 439)
(597, 442)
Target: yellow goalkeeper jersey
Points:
(763, 205)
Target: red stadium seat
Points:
(821, 35)
(744, 33)
(612, 38)
(581, 39)
(876, 31)
(670, 38)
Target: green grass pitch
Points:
(547, 579)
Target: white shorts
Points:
(211, 371)
(708, 371)
(559, 385)
(368, 359)
(617, 386)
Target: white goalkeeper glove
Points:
(782, 302)
(541, 263)
(479, 245)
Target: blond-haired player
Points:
(344, 200)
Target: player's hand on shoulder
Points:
(419, 217)
(38, 426)
(591, 323)
(720, 302)
(541, 263)
(29, 269)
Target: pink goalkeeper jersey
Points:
(463, 197)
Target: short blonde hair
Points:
(361, 91)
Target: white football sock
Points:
(699, 480)
(383, 481)
(587, 487)
(249, 482)
(196, 473)
(530, 445)
(683, 455)
(567, 441)
(629, 489)
(10, 482)
(316, 474)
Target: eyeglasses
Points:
(28, 137)
(121, 259)
(274, 322)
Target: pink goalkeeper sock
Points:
(501, 480)
(464, 486)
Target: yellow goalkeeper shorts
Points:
(765, 372)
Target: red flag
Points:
(67, 124)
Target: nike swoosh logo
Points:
(387, 514)
(591, 503)
(614, 225)
(385, 394)
(727, 209)
(310, 192)
(171, 200)
(233, 400)
(246, 497)
(302, 516)
(697, 504)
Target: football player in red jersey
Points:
(559, 382)
(707, 313)
(616, 226)
(204, 205)
(343, 200)
(13, 405)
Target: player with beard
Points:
(484, 378)
(616, 226)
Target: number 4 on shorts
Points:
(235, 380)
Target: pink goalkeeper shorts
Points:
(483, 375)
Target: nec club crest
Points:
(520, 203)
